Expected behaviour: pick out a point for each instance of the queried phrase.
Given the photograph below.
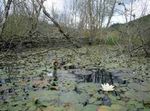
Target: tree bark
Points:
(111, 14)
(2, 24)
(34, 18)
(90, 21)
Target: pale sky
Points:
(59, 4)
(139, 7)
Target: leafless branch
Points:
(56, 23)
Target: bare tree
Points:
(6, 12)
(56, 23)
(35, 16)
(134, 30)
(90, 7)
(111, 13)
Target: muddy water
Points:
(26, 87)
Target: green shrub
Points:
(112, 38)
(16, 25)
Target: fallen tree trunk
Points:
(56, 24)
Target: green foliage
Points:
(16, 25)
(20, 25)
(135, 30)
(112, 39)
(90, 108)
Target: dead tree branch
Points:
(56, 24)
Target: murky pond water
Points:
(25, 86)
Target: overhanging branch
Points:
(56, 23)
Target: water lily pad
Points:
(139, 87)
(70, 97)
(103, 108)
(45, 97)
(137, 95)
(51, 108)
(83, 98)
(89, 88)
(90, 108)
(117, 107)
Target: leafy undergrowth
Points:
(25, 86)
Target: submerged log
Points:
(99, 76)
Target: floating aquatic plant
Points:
(50, 74)
(107, 87)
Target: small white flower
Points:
(107, 87)
(50, 74)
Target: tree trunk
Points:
(34, 18)
(2, 24)
(90, 21)
(111, 14)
